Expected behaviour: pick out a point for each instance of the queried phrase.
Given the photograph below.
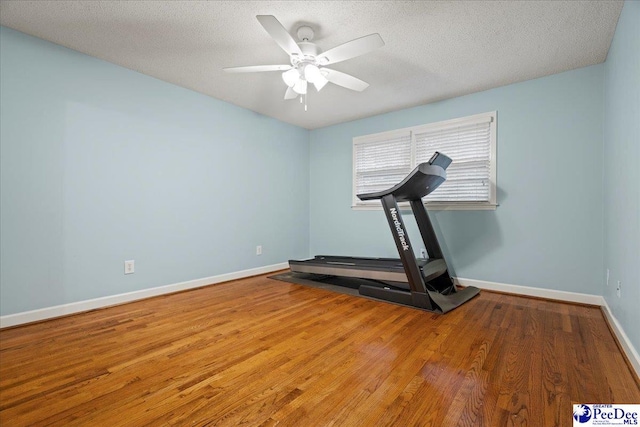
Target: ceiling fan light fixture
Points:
(320, 82)
(291, 77)
(300, 87)
(311, 73)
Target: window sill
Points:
(434, 206)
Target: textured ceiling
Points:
(434, 49)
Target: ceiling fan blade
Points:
(290, 93)
(345, 80)
(257, 68)
(351, 49)
(279, 34)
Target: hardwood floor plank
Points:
(259, 352)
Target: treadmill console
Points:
(439, 159)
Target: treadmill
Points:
(418, 282)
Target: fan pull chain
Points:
(305, 101)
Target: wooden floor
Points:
(259, 352)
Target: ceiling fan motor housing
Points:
(309, 52)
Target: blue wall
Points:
(100, 164)
(547, 231)
(622, 171)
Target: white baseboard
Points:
(627, 346)
(533, 292)
(92, 304)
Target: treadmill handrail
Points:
(420, 182)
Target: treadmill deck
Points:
(383, 269)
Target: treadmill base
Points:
(367, 289)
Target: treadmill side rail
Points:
(390, 275)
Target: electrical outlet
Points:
(259, 250)
(607, 277)
(423, 253)
(129, 267)
(618, 289)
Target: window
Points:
(382, 160)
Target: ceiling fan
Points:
(308, 62)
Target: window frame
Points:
(491, 204)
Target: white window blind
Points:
(383, 160)
(469, 146)
(382, 163)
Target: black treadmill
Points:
(417, 282)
